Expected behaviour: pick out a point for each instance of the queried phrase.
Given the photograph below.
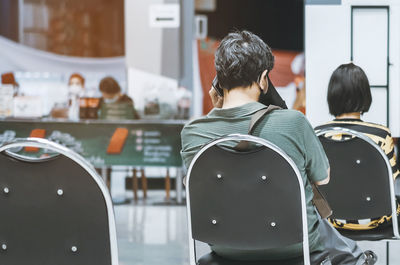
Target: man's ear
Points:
(264, 82)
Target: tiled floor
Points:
(157, 235)
(152, 235)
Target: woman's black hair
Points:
(348, 90)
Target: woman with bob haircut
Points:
(349, 96)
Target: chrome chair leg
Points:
(387, 252)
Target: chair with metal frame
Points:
(232, 200)
(54, 209)
(361, 185)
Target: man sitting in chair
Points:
(242, 62)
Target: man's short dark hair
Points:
(348, 90)
(241, 58)
(109, 85)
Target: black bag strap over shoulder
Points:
(255, 120)
(259, 115)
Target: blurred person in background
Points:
(70, 110)
(76, 84)
(349, 96)
(76, 88)
(300, 101)
(113, 104)
(298, 68)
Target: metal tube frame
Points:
(178, 183)
(46, 144)
(257, 140)
(340, 130)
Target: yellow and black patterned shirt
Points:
(381, 136)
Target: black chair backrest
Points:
(54, 211)
(359, 187)
(245, 200)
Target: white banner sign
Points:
(164, 16)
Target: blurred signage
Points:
(164, 16)
(27, 106)
(206, 5)
(144, 144)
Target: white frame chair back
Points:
(263, 142)
(341, 130)
(57, 148)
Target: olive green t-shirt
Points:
(289, 130)
(122, 109)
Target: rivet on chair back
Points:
(74, 249)
(60, 192)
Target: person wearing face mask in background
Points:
(75, 91)
(70, 110)
(113, 104)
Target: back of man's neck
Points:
(238, 97)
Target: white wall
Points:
(327, 34)
(150, 48)
(328, 44)
(142, 44)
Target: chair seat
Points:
(213, 259)
(370, 235)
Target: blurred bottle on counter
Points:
(152, 106)
(89, 104)
(184, 101)
(9, 79)
(8, 90)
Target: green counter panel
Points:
(148, 143)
